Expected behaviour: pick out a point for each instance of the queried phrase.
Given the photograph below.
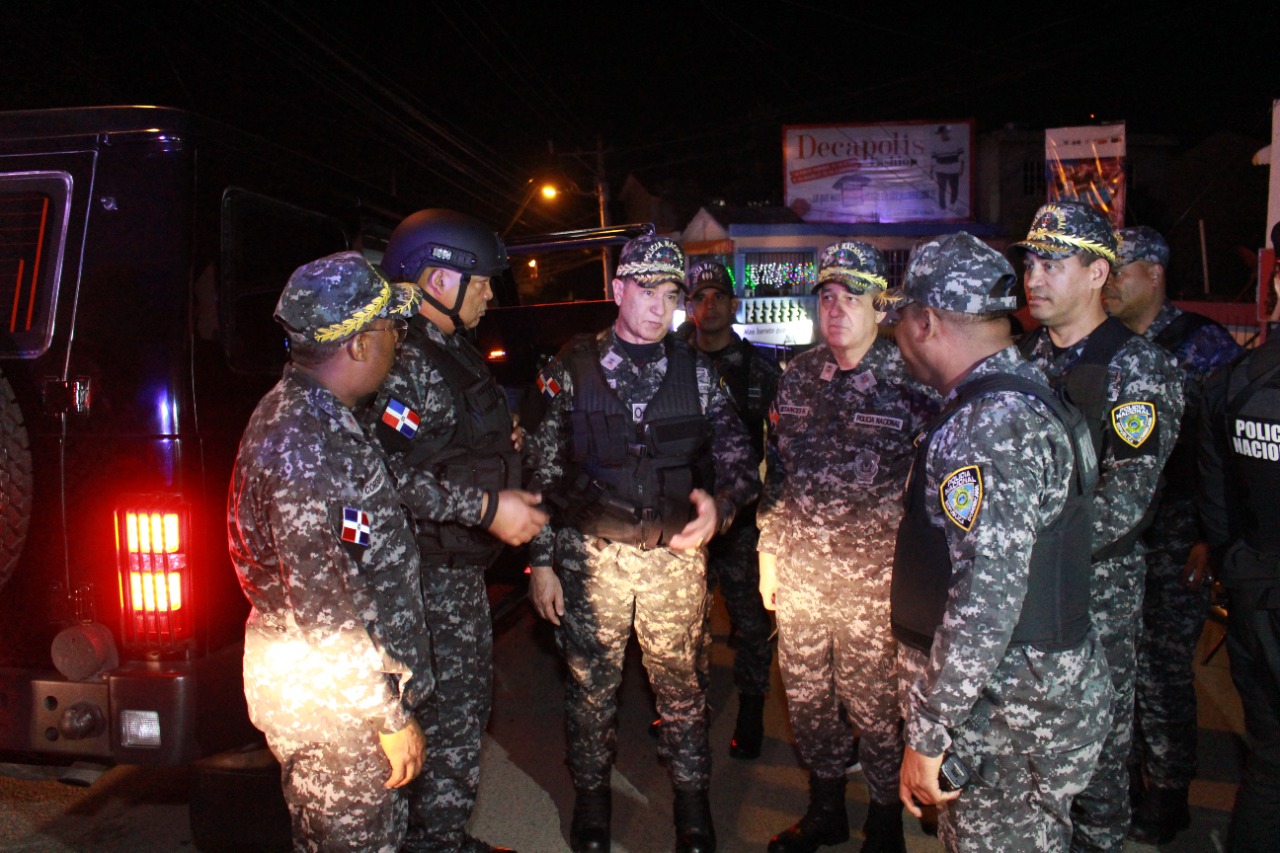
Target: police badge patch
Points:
(1134, 422)
(961, 495)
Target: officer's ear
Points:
(434, 281)
(619, 285)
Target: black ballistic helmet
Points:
(443, 238)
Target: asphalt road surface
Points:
(526, 797)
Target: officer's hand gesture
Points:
(546, 594)
(769, 580)
(406, 750)
(702, 527)
(1199, 568)
(919, 785)
(518, 518)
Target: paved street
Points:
(526, 796)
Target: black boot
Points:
(883, 829)
(826, 821)
(694, 830)
(592, 809)
(1161, 815)
(748, 733)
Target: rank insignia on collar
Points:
(549, 387)
(401, 418)
(961, 495)
(1134, 422)
(356, 526)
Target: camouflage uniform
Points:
(1172, 615)
(336, 648)
(838, 453)
(456, 601)
(609, 586)
(1030, 721)
(1138, 373)
(731, 557)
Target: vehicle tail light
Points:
(153, 551)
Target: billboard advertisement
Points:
(1087, 164)
(909, 172)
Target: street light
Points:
(547, 190)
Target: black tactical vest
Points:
(1253, 446)
(1086, 389)
(1180, 471)
(628, 480)
(479, 453)
(1055, 612)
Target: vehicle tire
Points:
(15, 481)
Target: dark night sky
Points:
(455, 101)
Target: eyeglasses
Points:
(400, 327)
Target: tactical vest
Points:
(1055, 612)
(1253, 444)
(479, 453)
(630, 481)
(1086, 389)
(1180, 471)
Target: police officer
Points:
(623, 454)
(336, 650)
(1239, 446)
(838, 453)
(447, 429)
(751, 380)
(1176, 600)
(1131, 396)
(999, 666)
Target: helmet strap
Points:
(454, 314)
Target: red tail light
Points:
(153, 552)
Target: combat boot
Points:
(883, 829)
(694, 830)
(826, 821)
(592, 812)
(748, 732)
(1161, 815)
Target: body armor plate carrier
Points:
(630, 481)
(1055, 612)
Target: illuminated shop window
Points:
(778, 273)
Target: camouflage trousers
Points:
(835, 648)
(335, 793)
(1100, 814)
(454, 717)
(733, 565)
(663, 594)
(1164, 727)
(1022, 802)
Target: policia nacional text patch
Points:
(1134, 422)
(961, 496)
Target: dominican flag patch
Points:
(401, 418)
(356, 526)
(549, 387)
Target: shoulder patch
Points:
(961, 496)
(1134, 422)
(548, 386)
(401, 418)
(357, 527)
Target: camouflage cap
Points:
(1141, 243)
(961, 273)
(1065, 228)
(333, 298)
(709, 275)
(652, 260)
(858, 266)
